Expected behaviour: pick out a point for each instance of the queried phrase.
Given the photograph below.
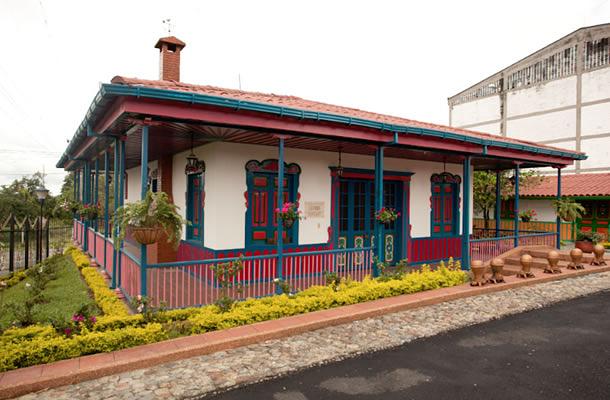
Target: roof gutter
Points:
(237, 105)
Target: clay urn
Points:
(576, 259)
(478, 273)
(598, 252)
(526, 261)
(497, 265)
(553, 262)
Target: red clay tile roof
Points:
(310, 105)
(171, 40)
(572, 185)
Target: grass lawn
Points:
(63, 295)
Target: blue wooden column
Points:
(121, 200)
(115, 255)
(558, 221)
(77, 185)
(86, 200)
(466, 214)
(498, 207)
(280, 202)
(379, 250)
(143, 189)
(516, 216)
(96, 189)
(106, 192)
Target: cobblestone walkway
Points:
(219, 371)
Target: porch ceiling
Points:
(167, 138)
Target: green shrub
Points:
(105, 298)
(46, 349)
(21, 347)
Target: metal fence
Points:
(486, 248)
(26, 242)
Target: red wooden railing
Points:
(433, 249)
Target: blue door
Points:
(357, 216)
(194, 207)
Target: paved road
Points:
(560, 352)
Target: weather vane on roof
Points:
(168, 23)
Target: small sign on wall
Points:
(314, 209)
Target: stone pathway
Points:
(198, 376)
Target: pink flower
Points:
(277, 210)
(93, 319)
(67, 331)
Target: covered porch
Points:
(228, 162)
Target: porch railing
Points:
(567, 230)
(487, 248)
(193, 282)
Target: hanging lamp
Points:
(339, 166)
(193, 165)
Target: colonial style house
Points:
(228, 158)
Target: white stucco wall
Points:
(596, 119)
(595, 85)
(543, 207)
(225, 184)
(482, 110)
(133, 182)
(546, 96)
(598, 150)
(559, 124)
(493, 128)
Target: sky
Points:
(401, 58)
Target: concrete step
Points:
(563, 255)
(536, 262)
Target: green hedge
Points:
(21, 347)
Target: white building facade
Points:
(559, 95)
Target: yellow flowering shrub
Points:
(43, 349)
(105, 298)
(116, 329)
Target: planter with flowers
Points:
(89, 211)
(289, 213)
(527, 215)
(586, 240)
(387, 215)
(147, 220)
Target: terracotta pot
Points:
(598, 251)
(497, 266)
(553, 263)
(576, 259)
(478, 273)
(584, 245)
(146, 235)
(526, 266)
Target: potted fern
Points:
(147, 220)
(568, 210)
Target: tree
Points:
(484, 188)
(18, 198)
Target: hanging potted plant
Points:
(89, 211)
(146, 220)
(288, 214)
(586, 240)
(387, 215)
(568, 210)
(527, 215)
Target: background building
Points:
(559, 95)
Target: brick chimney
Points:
(169, 58)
